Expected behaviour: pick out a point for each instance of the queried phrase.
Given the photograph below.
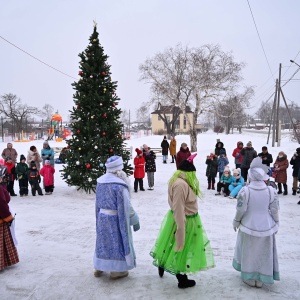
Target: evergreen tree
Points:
(97, 131)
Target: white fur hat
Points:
(258, 171)
(237, 171)
(114, 163)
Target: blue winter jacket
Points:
(226, 179)
(240, 181)
(48, 153)
(222, 163)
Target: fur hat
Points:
(138, 151)
(227, 169)
(114, 163)
(258, 171)
(32, 148)
(249, 144)
(237, 171)
(22, 157)
(187, 164)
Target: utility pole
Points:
(272, 116)
(274, 119)
(278, 104)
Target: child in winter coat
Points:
(150, 167)
(211, 170)
(222, 162)
(238, 157)
(11, 175)
(34, 179)
(236, 184)
(21, 171)
(47, 172)
(139, 170)
(224, 182)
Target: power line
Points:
(36, 58)
(260, 40)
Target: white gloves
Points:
(235, 225)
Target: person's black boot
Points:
(161, 272)
(285, 190)
(279, 189)
(184, 282)
(294, 192)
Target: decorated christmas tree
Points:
(96, 128)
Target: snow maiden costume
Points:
(114, 250)
(257, 218)
(182, 245)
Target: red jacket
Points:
(139, 167)
(11, 170)
(182, 155)
(47, 172)
(236, 151)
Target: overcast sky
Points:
(130, 31)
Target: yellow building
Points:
(182, 124)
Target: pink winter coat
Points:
(47, 172)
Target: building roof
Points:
(170, 109)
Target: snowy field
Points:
(56, 236)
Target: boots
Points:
(117, 275)
(294, 192)
(285, 190)
(209, 186)
(184, 282)
(213, 186)
(279, 189)
(161, 272)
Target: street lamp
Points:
(294, 63)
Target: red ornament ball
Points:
(80, 73)
(111, 150)
(114, 104)
(87, 166)
(104, 115)
(103, 73)
(78, 107)
(131, 172)
(78, 131)
(103, 133)
(68, 147)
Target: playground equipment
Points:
(57, 130)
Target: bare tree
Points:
(232, 108)
(46, 112)
(13, 108)
(142, 114)
(194, 77)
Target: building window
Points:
(184, 122)
(177, 124)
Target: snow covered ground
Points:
(56, 236)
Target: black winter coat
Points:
(295, 162)
(212, 167)
(248, 155)
(165, 147)
(217, 149)
(150, 165)
(33, 176)
(269, 159)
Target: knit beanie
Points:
(47, 162)
(222, 151)
(114, 163)
(249, 144)
(22, 157)
(237, 171)
(32, 164)
(138, 151)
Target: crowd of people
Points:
(182, 246)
